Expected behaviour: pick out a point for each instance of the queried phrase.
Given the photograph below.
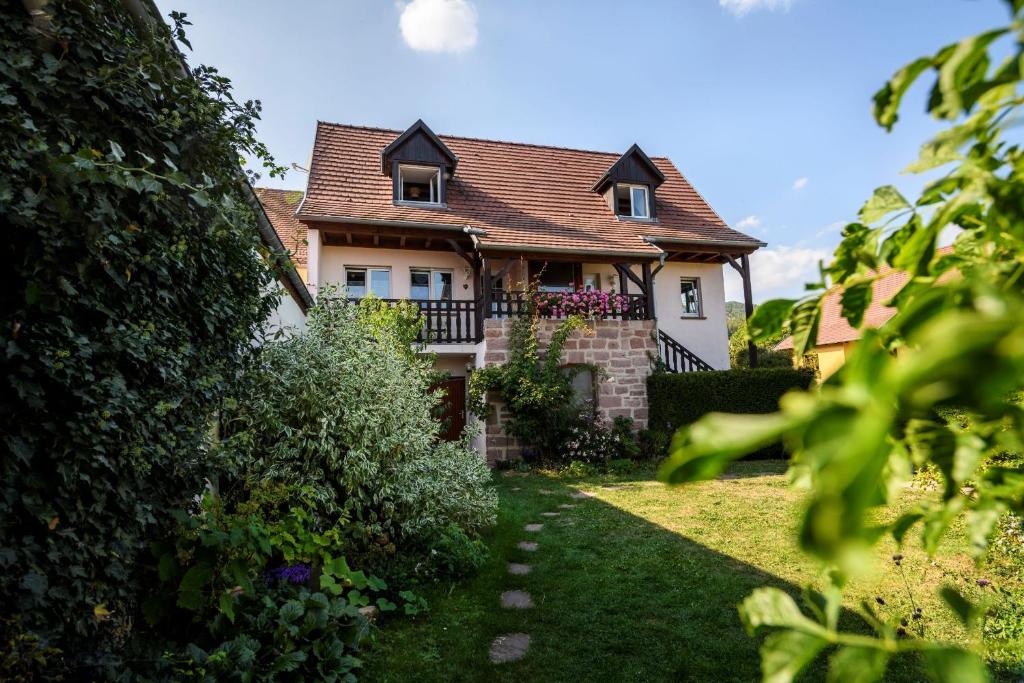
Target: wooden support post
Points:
(623, 279)
(478, 315)
(645, 268)
(485, 305)
(748, 305)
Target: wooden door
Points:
(452, 411)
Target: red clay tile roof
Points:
(280, 206)
(834, 329)
(520, 194)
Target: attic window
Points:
(632, 201)
(420, 184)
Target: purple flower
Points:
(295, 573)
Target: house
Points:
(836, 337)
(460, 225)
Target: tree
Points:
(935, 386)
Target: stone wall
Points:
(622, 348)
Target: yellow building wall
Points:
(831, 357)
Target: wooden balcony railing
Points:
(446, 321)
(506, 304)
(461, 321)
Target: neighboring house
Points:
(836, 338)
(460, 225)
(285, 239)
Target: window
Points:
(362, 281)
(430, 284)
(631, 201)
(689, 294)
(583, 388)
(420, 184)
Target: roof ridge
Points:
(276, 189)
(381, 129)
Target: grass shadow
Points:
(617, 598)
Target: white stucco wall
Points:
(334, 259)
(707, 337)
(287, 316)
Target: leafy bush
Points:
(133, 286)
(678, 400)
(767, 356)
(312, 417)
(456, 555)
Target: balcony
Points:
(461, 321)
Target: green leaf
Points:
(168, 567)
(769, 318)
(980, 524)
(227, 606)
(887, 100)
(386, 605)
(785, 653)
(702, 450)
(857, 665)
(953, 665)
(855, 300)
(291, 611)
(195, 581)
(804, 326)
(116, 153)
(773, 607)
(884, 201)
(962, 67)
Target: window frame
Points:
(368, 270)
(632, 215)
(700, 297)
(430, 281)
(399, 195)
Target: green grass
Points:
(641, 583)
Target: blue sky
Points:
(763, 104)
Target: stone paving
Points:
(511, 647)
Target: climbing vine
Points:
(534, 386)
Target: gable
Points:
(417, 144)
(632, 167)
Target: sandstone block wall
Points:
(622, 348)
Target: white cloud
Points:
(800, 183)
(439, 25)
(778, 272)
(740, 8)
(749, 223)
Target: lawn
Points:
(640, 583)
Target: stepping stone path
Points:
(509, 647)
(516, 600)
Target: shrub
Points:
(133, 286)
(342, 414)
(677, 400)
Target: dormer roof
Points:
(417, 132)
(633, 166)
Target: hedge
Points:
(676, 400)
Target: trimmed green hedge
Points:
(677, 400)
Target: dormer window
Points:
(419, 184)
(420, 166)
(628, 186)
(632, 201)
